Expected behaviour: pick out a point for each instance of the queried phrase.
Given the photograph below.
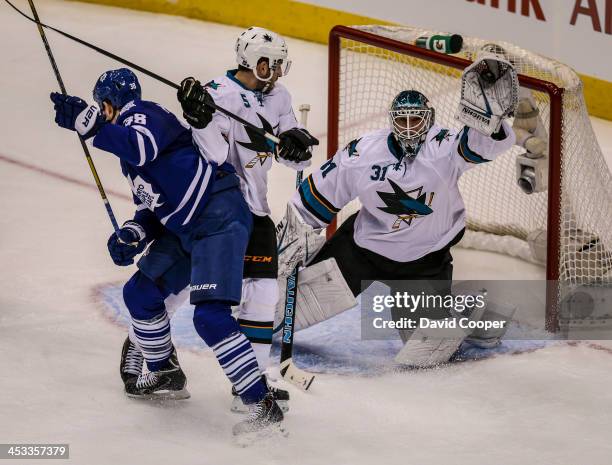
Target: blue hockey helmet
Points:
(118, 86)
(411, 118)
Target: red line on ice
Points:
(61, 177)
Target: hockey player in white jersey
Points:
(406, 178)
(253, 93)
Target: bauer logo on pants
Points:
(202, 287)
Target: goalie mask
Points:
(411, 119)
(256, 43)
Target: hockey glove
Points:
(126, 243)
(296, 145)
(489, 93)
(75, 114)
(196, 102)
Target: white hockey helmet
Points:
(256, 43)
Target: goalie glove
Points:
(489, 93)
(297, 241)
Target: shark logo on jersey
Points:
(261, 145)
(213, 85)
(351, 148)
(144, 191)
(443, 135)
(405, 207)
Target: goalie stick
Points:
(60, 82)
(288, 369)
(267, 135)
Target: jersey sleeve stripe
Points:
(316, 203)
(145, 132)
(188, 194)
(203, 187)
(465, 152)
(141, 150)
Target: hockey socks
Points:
(259, 333)
(153, 338)
(214, 323)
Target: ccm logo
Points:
(258, 258)
(203, 287)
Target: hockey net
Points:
(567, 227)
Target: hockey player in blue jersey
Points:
(194, 216)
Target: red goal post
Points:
(369, 65)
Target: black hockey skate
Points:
(265, 419)
(167, 383)
(131, 364)
(280, 396)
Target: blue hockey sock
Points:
(150, 322)
(154, 339)
(214, 323)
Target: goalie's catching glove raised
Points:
(489, 93)
(196, 102)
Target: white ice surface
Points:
(59, 380)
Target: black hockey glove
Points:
(296, 145)
(196, 103)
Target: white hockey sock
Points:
(255, 315)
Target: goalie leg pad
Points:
(429, 347)
(322, 294)
(495, 312)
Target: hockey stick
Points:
(60, 82)
(267, 135)
(288, 370)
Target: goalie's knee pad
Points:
(143, 298)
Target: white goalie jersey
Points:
(410, 207)
(250, 153)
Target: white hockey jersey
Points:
(249, 153)
(409, 207)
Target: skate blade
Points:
(239, 407)
(269, 433)
(162, 395)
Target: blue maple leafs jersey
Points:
(166, 172)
